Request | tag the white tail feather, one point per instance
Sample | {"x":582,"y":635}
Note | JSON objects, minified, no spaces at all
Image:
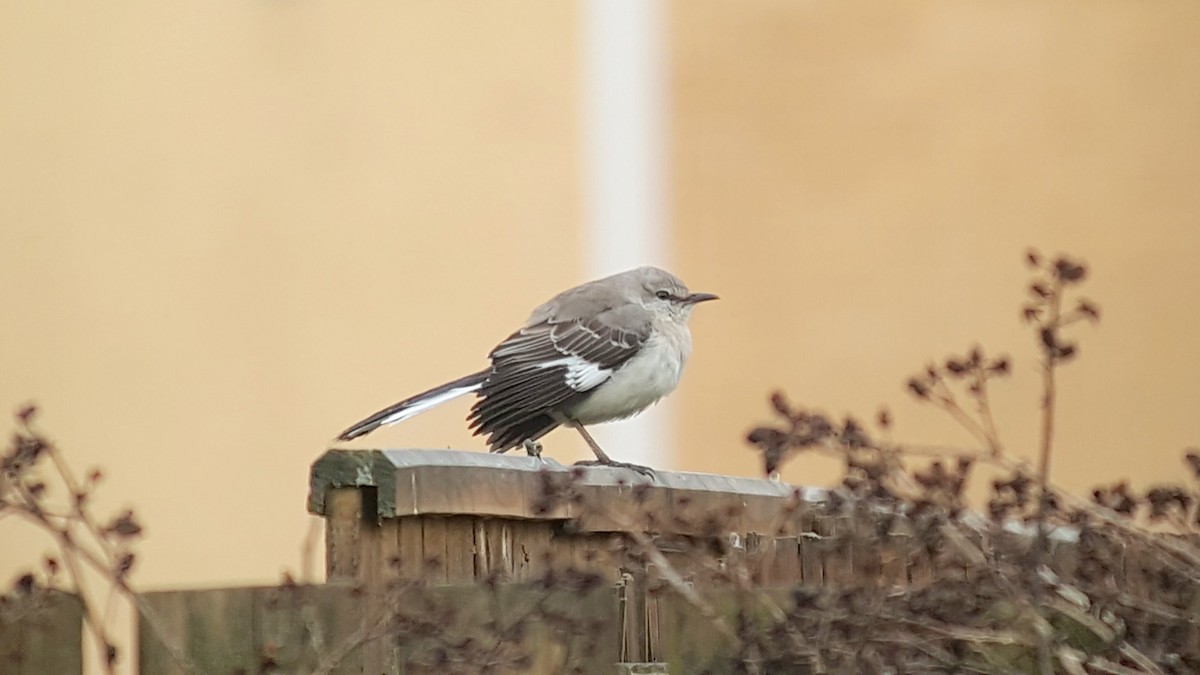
{"x":415,"y":405}
{"x":424,"y":404}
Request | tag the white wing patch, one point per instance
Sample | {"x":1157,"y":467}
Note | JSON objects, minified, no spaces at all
{"x":582,"y":375}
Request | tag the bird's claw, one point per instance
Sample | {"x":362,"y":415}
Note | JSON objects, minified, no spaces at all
{"x":644,"y":470}
{"x":533,"y":448}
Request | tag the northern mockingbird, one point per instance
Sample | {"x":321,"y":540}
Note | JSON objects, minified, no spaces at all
{"x":602,"y":351}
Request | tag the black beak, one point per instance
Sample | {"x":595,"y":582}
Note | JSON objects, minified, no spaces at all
{"x":696,"y":298}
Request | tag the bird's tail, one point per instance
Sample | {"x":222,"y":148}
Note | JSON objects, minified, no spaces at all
{"x":415,"y":405}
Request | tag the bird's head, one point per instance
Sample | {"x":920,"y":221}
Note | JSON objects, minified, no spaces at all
{"x":661,"y":289}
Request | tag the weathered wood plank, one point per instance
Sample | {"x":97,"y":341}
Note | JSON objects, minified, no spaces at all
{"x":372,"y":567}
{"x":755,"y":559}
{"x":343,"y":518}
{"x":499,"y":548}
{"x":610,"y":501}
{"x":694,"y":644}
{"x":219,"y":628}
{"x":290,"y":629}
{"x":785,"y":561}
{"x":482,"y":551}
{"x":838,"y":551}
{"x":41,"y":633}
{"x":656,"y":649}
{"x":812,"y":562}
{"x":530,"y":549}
{"x":171,"y":613}
{"x":410,"y":540}
{"x":433,"y":539}
{"x":563,"y":549}
{"x":389,"y":549}
{"x":632,"y":597}
{"x":449,"y":482}
{"x":460,"y":549}
{"x":295,"y":629}
{"x":374,"y":575}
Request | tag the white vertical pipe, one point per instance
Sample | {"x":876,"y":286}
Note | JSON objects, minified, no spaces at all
{"x":625,"y":112}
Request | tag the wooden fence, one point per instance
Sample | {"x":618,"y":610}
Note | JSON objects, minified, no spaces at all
{"x":448,"y":517}
{"x":329,"y":628}
{"x":512,"y":561}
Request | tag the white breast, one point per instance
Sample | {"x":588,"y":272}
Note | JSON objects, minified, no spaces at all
{"x":644,"y":379}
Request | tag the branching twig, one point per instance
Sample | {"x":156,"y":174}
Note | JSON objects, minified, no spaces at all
{"x":1000,"y":572}
{"x":96,"y":550}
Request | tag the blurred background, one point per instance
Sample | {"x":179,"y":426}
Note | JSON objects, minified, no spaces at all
{"x":229,"y":230}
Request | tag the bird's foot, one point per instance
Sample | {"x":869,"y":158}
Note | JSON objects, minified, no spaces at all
{"x":644,"y":470}
{"x":533,"y":448}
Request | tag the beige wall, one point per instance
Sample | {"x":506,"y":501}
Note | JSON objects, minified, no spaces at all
{"x":860,"y":182}
{"x":229,"y":230}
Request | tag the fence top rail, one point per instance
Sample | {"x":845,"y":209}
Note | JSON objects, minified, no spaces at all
{"x":414,"y":482}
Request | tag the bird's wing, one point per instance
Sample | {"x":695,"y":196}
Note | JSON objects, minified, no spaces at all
{"x":546,"y":364}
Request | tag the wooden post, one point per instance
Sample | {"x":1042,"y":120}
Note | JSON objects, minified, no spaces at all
{"x":445,"y":517}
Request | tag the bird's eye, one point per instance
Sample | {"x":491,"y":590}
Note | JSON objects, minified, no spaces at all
{"x":663,"y":295}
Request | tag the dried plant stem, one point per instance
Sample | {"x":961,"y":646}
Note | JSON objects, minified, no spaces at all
{"x":1185,"y":559}
{"x":308,"y":550}
{"x":1049,"y":400}
{"x":1049,"y":388}
{"x":1048,"y":396}
{"x":1133,"y":654}
{"x":73,"y":553}
{"x":946,"y":401}
{"x":104,"y":563}
{"x":985,"y":413}
{"x":368,"y":632}
{"x":685,"y":590}
{"x":68,"y":547}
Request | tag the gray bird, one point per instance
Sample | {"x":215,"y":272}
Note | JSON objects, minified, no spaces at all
{"x":602,"y":351}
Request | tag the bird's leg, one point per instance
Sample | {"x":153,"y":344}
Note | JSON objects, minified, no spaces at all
{"x":603,"y":459}
{"x":600,"y":456}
